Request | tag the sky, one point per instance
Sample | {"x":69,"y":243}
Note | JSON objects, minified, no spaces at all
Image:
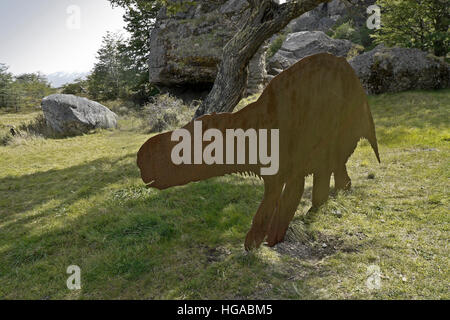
{"x":54,"y":35}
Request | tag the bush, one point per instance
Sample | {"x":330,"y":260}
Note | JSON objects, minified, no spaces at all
{"x":167,"y":113}
{"x":276,"y":45}
{"x":35,"y":129}
{"x":77,"y":88}
{"x":360,"y":36}
{"x":346,"y":31}
{"x":366,"y":38}
{"x":122,"y":107}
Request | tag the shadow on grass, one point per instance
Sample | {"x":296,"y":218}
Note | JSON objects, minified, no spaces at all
{"x":128,"y":233}
{"x":131,"y":237}
{"x":24,"y":193}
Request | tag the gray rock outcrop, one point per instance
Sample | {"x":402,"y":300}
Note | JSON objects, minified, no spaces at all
{"x":399,"y":69}
{"x":327,"y":15}
{"x":186,"y":48}
{"x":305,"y":43}
{"x":71,"y":115}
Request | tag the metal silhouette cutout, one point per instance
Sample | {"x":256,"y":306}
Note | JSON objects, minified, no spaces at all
{"x":321,"y":111}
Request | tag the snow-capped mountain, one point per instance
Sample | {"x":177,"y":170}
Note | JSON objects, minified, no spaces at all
{"x":58,"y":79}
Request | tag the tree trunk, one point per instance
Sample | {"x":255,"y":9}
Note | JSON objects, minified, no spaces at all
{"x":266,"y":19}
{"x":440,"y":45}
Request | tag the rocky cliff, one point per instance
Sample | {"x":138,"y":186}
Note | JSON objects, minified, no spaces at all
{"x":327,"y":15}
{"x":186,"y":47}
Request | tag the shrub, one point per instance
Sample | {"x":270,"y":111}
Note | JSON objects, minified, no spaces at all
{"x":35,"y":129}
{"x":360,"y":36}
{"x":122,"y":107}
{"x":77,"y":88}
{"x":354,"y":51}
{"x":366,"y":39}
{"x":246,"y":101}
{"x":276,"y":45}
{"x":346,"y":31}
{"x":166,"y":112}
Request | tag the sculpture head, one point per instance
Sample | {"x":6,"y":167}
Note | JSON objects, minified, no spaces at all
{"x":157,"y":169}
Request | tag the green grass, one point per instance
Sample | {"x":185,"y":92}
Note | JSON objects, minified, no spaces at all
{"x":80,"y":201}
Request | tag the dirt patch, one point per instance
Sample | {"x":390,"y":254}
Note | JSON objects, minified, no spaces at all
{"x":422,"y":150}
{"x":311,"y":250}
{"x":216,"y":254}
{"x":303,"y":245}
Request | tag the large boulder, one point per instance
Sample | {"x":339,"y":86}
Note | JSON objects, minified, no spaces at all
{"x":399,"y":69}
{"x":71,"y":115}
{"x":186,"y":47}
{"x":305,"y":43}
{"x":314,"y":20}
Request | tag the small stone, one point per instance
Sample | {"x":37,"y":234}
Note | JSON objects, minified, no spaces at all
{"x":338,"y":213}
{"x":324,"y":245}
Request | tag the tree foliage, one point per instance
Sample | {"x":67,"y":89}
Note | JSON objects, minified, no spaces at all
{"x":79,"y":88}
{"x":140,"y":17}
{"x":422,"y":24}
{"x":107,"y":80}
{"x":23,"y":91}
{"x":6,"y":81}
{"x":32,"y":87}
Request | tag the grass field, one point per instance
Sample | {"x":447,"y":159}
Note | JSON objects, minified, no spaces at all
{"x":80,"y":201}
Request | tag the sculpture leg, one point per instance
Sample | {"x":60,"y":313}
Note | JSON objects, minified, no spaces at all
{"x":288,"y":203}
{"x":341,"y":179}
{"x":263,"y":217}
{"x":321,"y":188}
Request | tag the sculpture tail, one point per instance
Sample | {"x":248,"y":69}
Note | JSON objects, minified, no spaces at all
{"x":371,"y":134}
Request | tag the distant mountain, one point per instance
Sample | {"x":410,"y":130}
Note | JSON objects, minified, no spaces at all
{"x":58,"y":79}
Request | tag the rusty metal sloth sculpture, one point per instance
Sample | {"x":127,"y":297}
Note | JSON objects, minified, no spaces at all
{"x":321,"y":111}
